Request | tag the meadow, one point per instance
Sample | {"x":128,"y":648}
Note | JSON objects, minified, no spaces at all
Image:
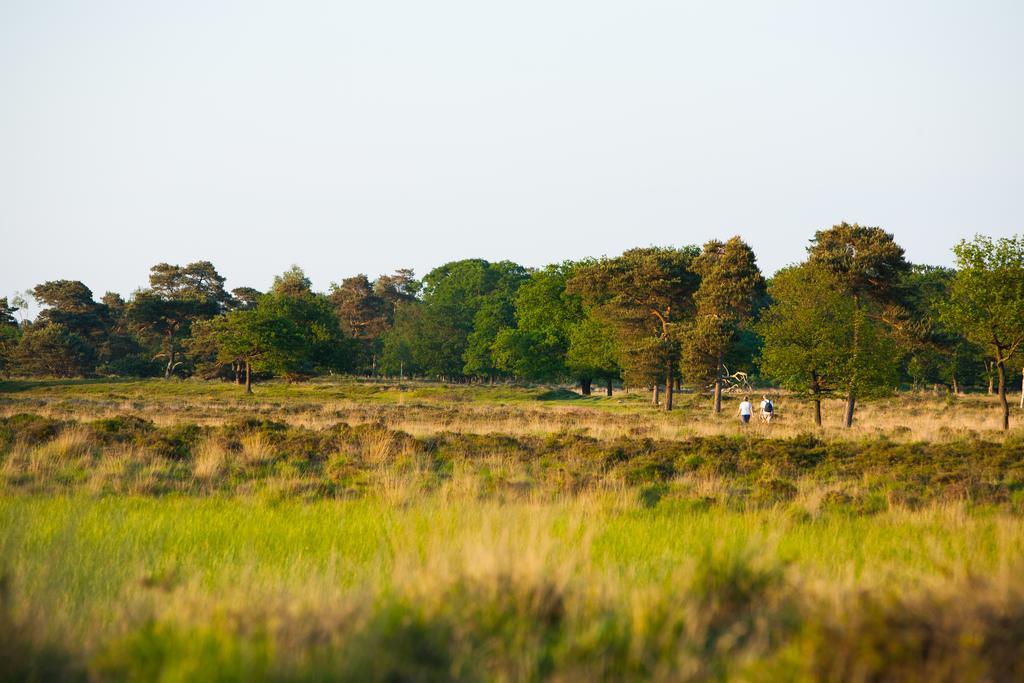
{"x":356,"y":530}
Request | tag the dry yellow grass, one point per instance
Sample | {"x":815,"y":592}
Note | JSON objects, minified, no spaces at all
{"x":256,"y":449}
{"x":68,"y":446}
{"x":324,"y":536}
{"x":211,"y":460}
{"x":907,"y":417}
{"x":378,"y":447}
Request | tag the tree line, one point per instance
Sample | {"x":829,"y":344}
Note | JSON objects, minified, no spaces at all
{"x":853,"y":319}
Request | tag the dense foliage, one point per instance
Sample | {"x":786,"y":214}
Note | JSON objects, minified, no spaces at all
{"x":854,"y":319}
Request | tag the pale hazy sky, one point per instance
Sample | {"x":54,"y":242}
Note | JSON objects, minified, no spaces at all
{"x":364,"y":136}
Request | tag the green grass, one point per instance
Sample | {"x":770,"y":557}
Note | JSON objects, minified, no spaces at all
{"x":321,"y":389}
{"x":98,"y":546}
{"x":352,"y":531}
{"x":94,"y":574}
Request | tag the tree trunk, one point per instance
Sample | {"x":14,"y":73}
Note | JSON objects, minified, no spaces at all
{"x":170,"y":363}
{"x":585,"y":386}
{"x":988,"y":371}
{"x":656,"y":394}
{"x":718,"y":386}
{"x":1001,"y":369}
{"x":851,"y":402}
{"x":816,"y":389}
{"x":248,"y":377}
{"x":851,"y":396}
{"x":956,"y":387}
{"x":1022,"y":388}
{"x":668,"y":388}
{"x":610,"y":388}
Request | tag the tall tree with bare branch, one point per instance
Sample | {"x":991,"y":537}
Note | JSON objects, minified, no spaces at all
{"x":730,"y":284}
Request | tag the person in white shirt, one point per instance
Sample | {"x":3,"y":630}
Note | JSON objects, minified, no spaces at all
{"x":767,"y":409}
{"x":746,"y":409}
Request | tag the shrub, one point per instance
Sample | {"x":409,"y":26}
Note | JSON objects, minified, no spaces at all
{"x":774,"y":490}
{"x":31,"y":430}
{"x":651,"y":495}
{"x":924,"y":637}
{"x":176,"y":442}
{"x":123,"y":429}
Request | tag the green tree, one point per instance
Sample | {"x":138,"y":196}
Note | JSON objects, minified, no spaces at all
{"x":70,"y":303}
{"x":450,"y":333}
{"x":244,"y":297}
{"x":730,"y":286}
{"x":592,"y":354}
{"x":366,"y":310}
{"x":402,"y":345}
{"x":121,"y":352}
{"x":494,"y":312}
{"x":364,"y":315}
{"x":177,"y":297}
{"x":808,"y":331}
{"x":9,"y":335}
{"x":399,"y":287}
{"x":288,"y":333}
{"x":52,"y":350}
{"x":935,"y":353}
{"x":536,"y":346}
{"x":644,"y":295}
{"x":554,"y":337}
{"x":292,"y":282}
{"x":495,"y":315}
{"x":868,"y":266}
{"x":986,"y":301}
{"x":7,"y":312}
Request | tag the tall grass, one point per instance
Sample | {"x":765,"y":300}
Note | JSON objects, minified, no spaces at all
{"x":506,"y":591}
{"x":366,"y":531}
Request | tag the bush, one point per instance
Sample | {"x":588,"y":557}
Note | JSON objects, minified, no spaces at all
{"x":123,"y":429}
{"x":31,"y":430}
{"x":919,"y":638}
{"x":133,"y":365}
{"x":177,"y":442}
{"x":774,"y":491}
{"x":757,"y":471}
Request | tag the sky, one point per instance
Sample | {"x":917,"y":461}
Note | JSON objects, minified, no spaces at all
{"x":359,"y":137}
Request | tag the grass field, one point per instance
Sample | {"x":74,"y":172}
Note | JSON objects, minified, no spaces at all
{"x":366,"y":531}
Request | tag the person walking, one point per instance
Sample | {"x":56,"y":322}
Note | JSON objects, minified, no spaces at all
{"x":767,"y":410}
{"x":746,"y":409}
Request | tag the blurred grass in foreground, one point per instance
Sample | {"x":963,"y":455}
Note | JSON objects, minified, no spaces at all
{"x":367,"y":531}
{"x":593,"y":587}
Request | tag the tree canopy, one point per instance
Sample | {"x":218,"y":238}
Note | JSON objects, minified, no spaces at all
{"x":868,"y":267}
{"x":855,"y":319}
{"x":808,"y":333}
{"x":986,"y":301}
{"x":289,"y":332}
{"x":731,"y":286}
{"x":644,"y":295}
{"x":177,"y":296}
